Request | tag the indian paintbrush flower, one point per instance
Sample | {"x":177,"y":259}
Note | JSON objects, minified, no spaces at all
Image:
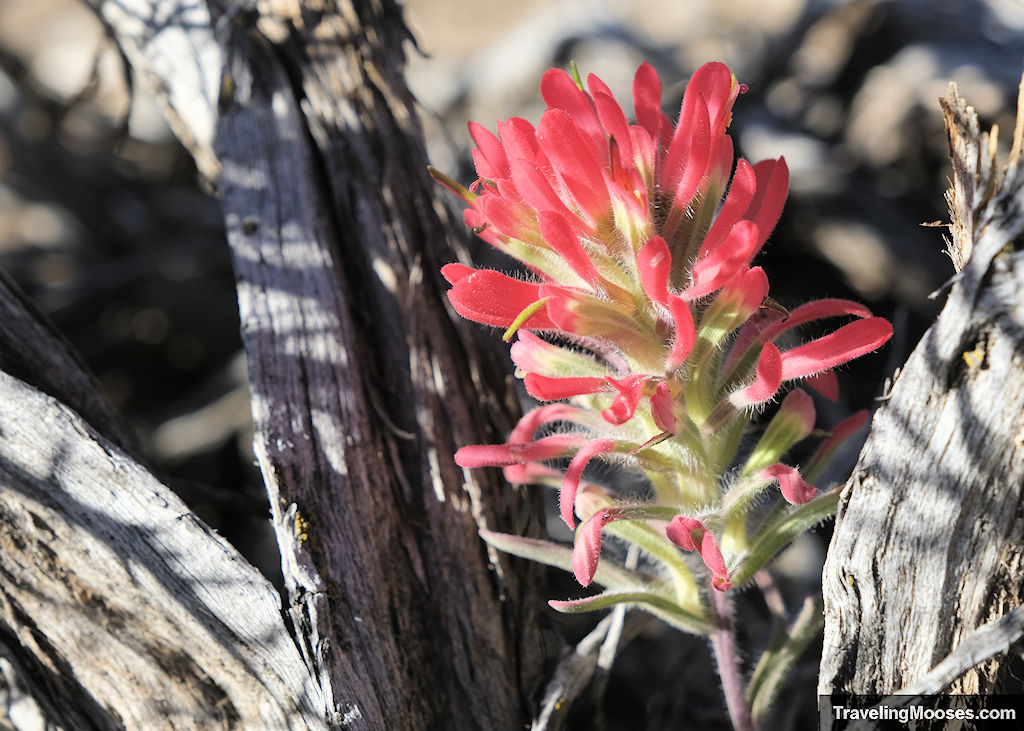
{"x":641,"y":306}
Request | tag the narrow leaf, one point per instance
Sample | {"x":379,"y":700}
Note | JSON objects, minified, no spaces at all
{"x":553,"y":554}
{"x":778,"y":660}
{"x":657,"y":604}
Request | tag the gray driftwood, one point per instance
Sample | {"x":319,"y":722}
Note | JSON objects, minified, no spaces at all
{"x":118,"y":607}
{"x":929,"y":537}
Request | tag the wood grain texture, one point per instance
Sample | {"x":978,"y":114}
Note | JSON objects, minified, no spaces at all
{"x":120,"y":607}
{"x":363,"y":385}
{"x":930,"y":531}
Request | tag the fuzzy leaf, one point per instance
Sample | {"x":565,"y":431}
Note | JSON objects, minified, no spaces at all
{"x":657,"y":604}
{"x":553,"y":554}
{"x":779,"y":529}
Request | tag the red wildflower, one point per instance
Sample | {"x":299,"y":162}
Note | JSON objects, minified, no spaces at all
{"x":641,"y":303}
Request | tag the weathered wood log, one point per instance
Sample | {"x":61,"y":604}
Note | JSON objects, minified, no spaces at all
{"x":929,"y":535}
{"x":120,"y":608}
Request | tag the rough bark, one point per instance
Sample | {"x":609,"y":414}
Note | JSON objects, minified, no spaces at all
{"x":117,"y":605}
{"x":929,"y":535}
{"x":363,"y":385}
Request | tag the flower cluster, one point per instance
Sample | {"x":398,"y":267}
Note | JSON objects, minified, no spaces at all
{"x":648,"y":333}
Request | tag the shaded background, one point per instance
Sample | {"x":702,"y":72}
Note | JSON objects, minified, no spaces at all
{"x":103,"y":224}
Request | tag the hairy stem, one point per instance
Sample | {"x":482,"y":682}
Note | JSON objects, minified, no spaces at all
{"x":723,"y":642}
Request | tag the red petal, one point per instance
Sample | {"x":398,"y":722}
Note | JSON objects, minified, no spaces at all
{"x":571,"y":483}
{"x":767,"y":382}
{"x":848,"y":342}
{"x":560,"y":92}
{"x":682,"y":320}
{"x":713,"y":271}
{"x":791,"y":484}
{"x":713,"y":82}
{"x":528,"y":474}
{"x":839,"y":434}
{"x":491,"y":161}
{"x":612,"y":119}
{"x":493,"y":298}
{"x":624,"y":406}
{"x":655,"y":263}
{"x":586,"y":553}
{"x":454,"y":272}
{"x":545,"y":388}
{"x":772,"y":188}
{"x":691,"y":535}
{"x":662,"y":409}
{"x":576,"y":161}
{"x":647,"y":101}
{"x":741,"y":192}
{"x":687,"y":157}
{"x":561,"y":237}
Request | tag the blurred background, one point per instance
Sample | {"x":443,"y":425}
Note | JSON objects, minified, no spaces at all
{"x":103,"y":223}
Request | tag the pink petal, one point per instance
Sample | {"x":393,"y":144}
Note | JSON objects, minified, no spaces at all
{"x":817,"y":310}
{"x":503,"y":455}
{"x":654,"y":262}
{"x":838,"y":434}
{"x":766,"y":383}
{"x":791,"y":484}
{"x":586,"y":553}
{"x":538,"y":417}
{"x":493,"y":298}
{"x":682,"y":320}
{"x":528,"y":474}
{"x":545,"y":388}
{"x":848,"y":342}
{"x":630,"y":389}
{"x":571,"y":483}
{"x":662,"y":409}
{"x":561,"y":237}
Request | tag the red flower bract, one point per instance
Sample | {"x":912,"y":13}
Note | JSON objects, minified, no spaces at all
{"x":639,"y":300}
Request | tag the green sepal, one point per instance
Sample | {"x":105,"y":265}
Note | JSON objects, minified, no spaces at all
{"x":455,"y":187}
{"x":777,"y":661}
{"x":780,"y":528}
{"x":657,"y":604}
